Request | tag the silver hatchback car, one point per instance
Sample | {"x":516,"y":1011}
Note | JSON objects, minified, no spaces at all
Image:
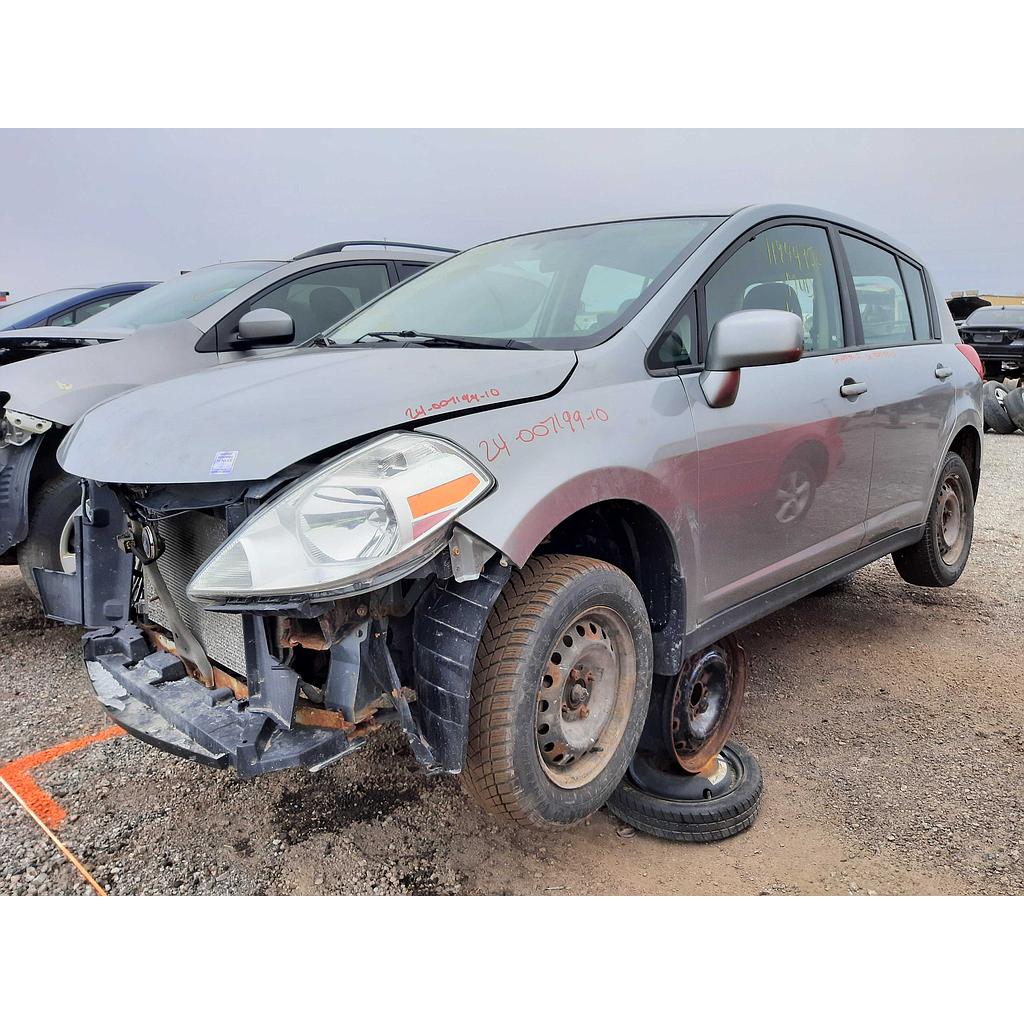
{"x":510,"y":499}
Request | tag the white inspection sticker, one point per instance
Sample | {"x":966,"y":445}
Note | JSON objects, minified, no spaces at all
{"x":223,"y":463}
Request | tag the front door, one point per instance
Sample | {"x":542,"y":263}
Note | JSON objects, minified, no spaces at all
{"x":783,"y":473}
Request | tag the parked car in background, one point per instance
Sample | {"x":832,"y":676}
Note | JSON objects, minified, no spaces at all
{"x":66,"y":306}
{"x":996,"y":333}
{"x":510,"y":499}
{"x":962,"y":306}
{"x":221,"y":313}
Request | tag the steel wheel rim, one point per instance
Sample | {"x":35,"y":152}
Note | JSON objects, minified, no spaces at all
{"x":793,"y":495}
{"x":705,"y":703}
{"x":67,"y":546}
{"x":952,"y":520}
{"x":585,"y":697}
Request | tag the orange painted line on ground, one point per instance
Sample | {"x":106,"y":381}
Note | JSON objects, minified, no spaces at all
{"x":69,"y":856}
{"x":36,"y":800}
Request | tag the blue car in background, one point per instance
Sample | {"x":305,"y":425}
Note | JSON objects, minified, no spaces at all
{"x":66,"y":306}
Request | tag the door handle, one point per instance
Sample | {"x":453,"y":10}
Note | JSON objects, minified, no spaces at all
{"x":942,"y":372}
{"x":851,"y":388}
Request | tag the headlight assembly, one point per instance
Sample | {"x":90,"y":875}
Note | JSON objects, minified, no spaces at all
{"x":363,"y":520}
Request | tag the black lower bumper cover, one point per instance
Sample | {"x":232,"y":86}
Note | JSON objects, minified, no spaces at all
{"x":149,"y":694}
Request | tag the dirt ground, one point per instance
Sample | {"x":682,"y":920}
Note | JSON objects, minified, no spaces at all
{"x":888,"y":721}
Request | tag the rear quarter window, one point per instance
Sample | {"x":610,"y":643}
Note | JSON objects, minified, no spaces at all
{"x":917,"y":297}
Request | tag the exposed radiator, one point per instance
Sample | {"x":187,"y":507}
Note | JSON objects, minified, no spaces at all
{"x":189,"y":539}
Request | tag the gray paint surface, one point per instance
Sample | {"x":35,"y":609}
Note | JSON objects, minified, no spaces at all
{"x":275,"y":411}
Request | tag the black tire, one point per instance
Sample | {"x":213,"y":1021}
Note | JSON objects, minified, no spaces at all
{"x":506,"y":771}
{"x":666,"y":802}
{"x":994,"y":395}
{"x":52,"y":505}
{"x":931,"y":562}
{"x":1013,"y":403}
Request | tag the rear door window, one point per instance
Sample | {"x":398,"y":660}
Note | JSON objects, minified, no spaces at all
{"x":881,"y":298}
{"x":913,"y":281}
{"x":789,"y":268}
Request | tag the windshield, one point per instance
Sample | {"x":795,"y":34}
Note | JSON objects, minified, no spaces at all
{"x":181,"y":296}
{"x":568,"y":288}
{"x":15,"y":312}
{"x":989,"y":316}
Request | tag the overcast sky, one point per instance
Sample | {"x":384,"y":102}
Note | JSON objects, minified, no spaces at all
{"x":90,"y":206}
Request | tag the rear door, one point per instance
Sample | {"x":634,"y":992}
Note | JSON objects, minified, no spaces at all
{"x":906,"y":369}
{"x":783,"y":472}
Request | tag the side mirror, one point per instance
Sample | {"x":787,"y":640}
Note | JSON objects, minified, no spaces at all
{"x":751,"y":337}
{"x":265,"y":327}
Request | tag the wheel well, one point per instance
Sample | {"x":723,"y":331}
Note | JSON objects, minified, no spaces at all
{"x":46,"y":466}
{"x":967,"y":444}
{"x":636,"y":540}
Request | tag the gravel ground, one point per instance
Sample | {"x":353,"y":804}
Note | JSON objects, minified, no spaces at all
{"x":888,"y":721}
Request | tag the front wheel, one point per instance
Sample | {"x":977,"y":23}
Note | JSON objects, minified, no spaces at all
{"x":939,"y":557}
{"x":560,"y":692}
{"x":52,"y":541}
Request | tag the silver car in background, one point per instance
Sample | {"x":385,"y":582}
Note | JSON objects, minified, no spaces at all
{"x":508,"y":500}
{"x":218,"y":314}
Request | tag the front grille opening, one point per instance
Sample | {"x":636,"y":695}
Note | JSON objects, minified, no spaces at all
{"x":189,"y":539}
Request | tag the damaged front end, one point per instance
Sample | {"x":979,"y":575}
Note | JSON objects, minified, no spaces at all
{"x":263,"y":682}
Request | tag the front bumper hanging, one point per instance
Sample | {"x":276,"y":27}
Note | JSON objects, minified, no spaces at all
{"x":158,"y":682}
{"x":150,"y":695}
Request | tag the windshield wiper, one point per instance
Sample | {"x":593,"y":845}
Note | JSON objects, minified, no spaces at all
{"x":452,"y":340}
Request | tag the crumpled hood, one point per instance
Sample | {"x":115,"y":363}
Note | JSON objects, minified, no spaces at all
{"x":249,"y":420}
{"x":65,"y":384}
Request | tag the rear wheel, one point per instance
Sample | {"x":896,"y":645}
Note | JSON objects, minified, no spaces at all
{"x":1013,"y":403}
{"x":52,"y":541}
{"x":560,"y":691}
{"x":939,"y":557}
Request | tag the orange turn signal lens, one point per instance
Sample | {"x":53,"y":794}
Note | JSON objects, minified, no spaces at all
{"x":443,"y":496}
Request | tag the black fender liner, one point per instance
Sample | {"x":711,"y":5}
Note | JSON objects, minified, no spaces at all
{"x":16,"y":464}
{"x":449,"y":623}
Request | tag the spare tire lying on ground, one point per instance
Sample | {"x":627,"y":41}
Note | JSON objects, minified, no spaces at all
{"x":996,"y":416}
{"x":658,"y":797}
{"x":1013,"y":403}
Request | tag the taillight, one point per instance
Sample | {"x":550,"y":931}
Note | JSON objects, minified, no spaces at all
{"x":973,"y":358}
